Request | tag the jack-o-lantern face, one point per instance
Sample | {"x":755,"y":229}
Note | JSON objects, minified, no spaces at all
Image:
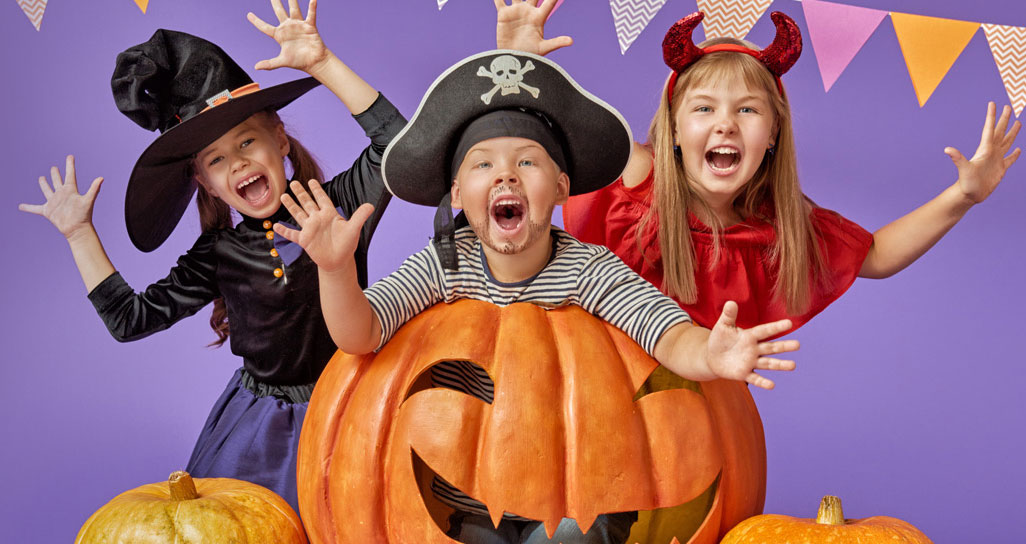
{"x":563,"y":436}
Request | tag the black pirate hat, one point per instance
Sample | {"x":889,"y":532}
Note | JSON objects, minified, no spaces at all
{"x":595,"y":138}
{"x":192,"y":92}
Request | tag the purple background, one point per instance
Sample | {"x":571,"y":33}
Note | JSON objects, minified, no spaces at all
{"x":907,"y":398}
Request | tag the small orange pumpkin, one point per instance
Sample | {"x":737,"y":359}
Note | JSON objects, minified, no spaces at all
{"x":187,"y":510}
{"x":829,"y":526}
{"x":567,"y":434}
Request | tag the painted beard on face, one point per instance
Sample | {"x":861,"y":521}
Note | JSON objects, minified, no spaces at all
{"x":508,"y":227}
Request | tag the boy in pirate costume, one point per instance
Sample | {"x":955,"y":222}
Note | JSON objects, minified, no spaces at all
{"x":505,"y":136}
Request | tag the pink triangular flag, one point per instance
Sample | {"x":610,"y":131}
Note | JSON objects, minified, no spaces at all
{"x":731,"y":18}
{"x":630,"y":17}
{"x":837,"y":33}
{"x":34,"y":10}
{"x":1008,"y":43}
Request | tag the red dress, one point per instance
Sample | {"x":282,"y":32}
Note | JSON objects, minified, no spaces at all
{"x":742,"y":272}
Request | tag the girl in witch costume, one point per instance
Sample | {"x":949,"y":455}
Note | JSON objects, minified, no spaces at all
{"x":221,"y":137}
{"x":711,"y":209}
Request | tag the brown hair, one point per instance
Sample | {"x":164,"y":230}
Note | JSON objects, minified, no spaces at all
{"x":796,"y":252}
{"x":215,"y":214}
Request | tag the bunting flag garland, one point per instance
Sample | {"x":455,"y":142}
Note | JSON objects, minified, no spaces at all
{"x":837,"y":33}
{"x":930,"y":46}
{"x":731,"y":18}
{"x":631,"y":17}
{"x":34,"y":10}
{"x":1008,"y":44}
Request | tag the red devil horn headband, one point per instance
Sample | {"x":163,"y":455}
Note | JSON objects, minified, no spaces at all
{"x":680,"y":51}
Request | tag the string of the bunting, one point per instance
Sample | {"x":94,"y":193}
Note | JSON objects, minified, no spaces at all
{"x":34,"y":9}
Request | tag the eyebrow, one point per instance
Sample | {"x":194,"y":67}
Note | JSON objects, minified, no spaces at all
{"x":243,"y":132}
{"x":484,"y":149}
{"x":745,"y":98}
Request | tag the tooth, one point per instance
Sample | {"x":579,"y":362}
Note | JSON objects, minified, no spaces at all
{"x":550,"y":526}
{"x":496,"y":516}
{"x":584,"y":523}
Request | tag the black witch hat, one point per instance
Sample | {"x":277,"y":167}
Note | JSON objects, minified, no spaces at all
{"x":192,"y":92}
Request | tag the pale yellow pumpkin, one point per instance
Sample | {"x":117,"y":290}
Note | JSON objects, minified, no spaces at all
{"x":221,"y":510}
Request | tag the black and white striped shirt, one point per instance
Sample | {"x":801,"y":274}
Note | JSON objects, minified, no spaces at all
{"x":587,"y":275}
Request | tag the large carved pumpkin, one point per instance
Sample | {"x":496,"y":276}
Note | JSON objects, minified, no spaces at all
{"x":570,"y":432}
{"x":187,"y":510}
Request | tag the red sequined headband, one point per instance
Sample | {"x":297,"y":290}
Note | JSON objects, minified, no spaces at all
{"x":680,"y":51}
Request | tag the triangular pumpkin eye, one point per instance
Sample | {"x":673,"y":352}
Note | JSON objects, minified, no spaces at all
{"x":661,"y":379}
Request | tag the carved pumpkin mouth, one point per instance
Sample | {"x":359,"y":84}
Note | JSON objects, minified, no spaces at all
{"x":689,"y":516}
{"x":473,"y":384}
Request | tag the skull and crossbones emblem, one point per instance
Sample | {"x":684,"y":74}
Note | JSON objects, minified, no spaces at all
{"x":508,"y":76}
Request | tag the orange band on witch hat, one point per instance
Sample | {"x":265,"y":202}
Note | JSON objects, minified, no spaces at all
{"x":226,"y":95}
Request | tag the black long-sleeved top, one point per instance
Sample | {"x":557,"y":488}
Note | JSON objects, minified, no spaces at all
{"x":276,"y":322}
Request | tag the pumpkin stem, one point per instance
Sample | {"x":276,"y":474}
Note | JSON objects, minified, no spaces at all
{"x":182,"y":487}
{"x":830,"y":511}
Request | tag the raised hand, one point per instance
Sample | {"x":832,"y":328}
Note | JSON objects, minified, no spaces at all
{"x":326,"y":237}
{"x":301,"y":44}
{"x":68,"y":210}
{"x":520,"y":25}
{"x":735,"y":353}
{"x":980,"y":175}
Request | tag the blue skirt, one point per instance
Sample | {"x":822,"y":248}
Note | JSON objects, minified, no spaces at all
{"x":252,"y":434}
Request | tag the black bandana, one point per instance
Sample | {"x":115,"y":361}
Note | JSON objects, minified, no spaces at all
{"x":509,"y":123}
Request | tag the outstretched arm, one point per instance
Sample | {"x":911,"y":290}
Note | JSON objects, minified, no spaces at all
{"x":520,"y":25}
{"x":303,"y":49}
{"x":726,"y":351}
{"x":899,"y":243}
{"x":72,"y":214}
{"x":330,"y":241}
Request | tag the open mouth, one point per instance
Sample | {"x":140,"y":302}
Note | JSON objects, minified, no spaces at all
{"x":508,"y":213}
{"x":722,"y":160}
{"x":253,"y":189}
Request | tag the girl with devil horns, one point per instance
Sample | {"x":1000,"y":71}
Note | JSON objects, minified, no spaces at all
{"x":221,"y":137}
{"x":715,"y":191}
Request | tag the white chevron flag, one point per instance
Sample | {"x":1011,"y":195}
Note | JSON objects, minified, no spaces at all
{"x":34,"y":10}
{"x":631,"y":17}
{"x":731,"y":18}
{"x":1008,"y":43}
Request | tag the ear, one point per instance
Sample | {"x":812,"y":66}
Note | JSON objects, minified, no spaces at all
{"x":283,"y":140}
{"x":562,"y":188}
{"x":454,"y":193}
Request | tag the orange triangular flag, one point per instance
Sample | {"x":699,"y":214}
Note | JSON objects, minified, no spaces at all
{"x":143,"y":4}
{"x":1008,"y":43}
{"x":930,"y":46}
{"x":733,"y":18}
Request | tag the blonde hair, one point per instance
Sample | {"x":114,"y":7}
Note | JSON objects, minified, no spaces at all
{"x":214,"y":214}
{"x":796,"y":253}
